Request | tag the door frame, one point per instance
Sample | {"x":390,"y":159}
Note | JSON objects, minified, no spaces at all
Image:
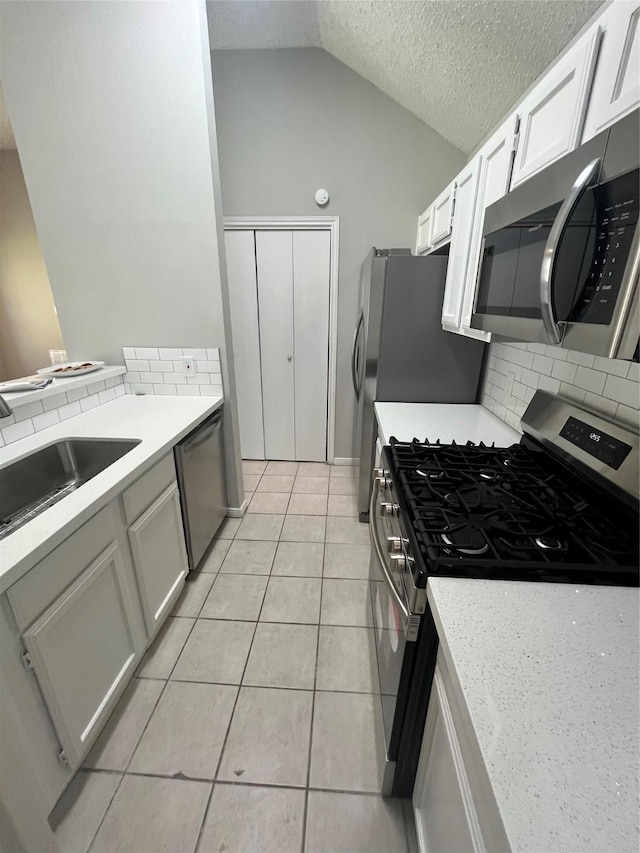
{"x":309,"y":223}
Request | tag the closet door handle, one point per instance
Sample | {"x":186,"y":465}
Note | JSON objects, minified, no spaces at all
{"x":289,"y":357}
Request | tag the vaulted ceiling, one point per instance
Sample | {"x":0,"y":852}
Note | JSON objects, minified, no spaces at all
{"x":459,"y":65}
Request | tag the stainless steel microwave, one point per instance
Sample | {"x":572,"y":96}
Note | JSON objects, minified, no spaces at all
{"x":561,"y":254}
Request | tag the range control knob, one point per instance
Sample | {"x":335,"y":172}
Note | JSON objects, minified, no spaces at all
{"x":387,"y":509}
{"x":381,"y":477}
{"x":395,"y":544}
{"x":400,"y":563}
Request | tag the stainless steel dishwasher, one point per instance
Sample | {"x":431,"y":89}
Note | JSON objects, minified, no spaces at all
{"x":201,"y":478}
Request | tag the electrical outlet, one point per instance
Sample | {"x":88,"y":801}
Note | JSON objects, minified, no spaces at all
{"x":188,"y":365}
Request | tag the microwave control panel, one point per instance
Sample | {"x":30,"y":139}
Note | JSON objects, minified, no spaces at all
{"x":612,"y":232}
{"x":595,"y":442}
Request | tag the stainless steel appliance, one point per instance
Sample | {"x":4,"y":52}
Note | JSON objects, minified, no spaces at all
{"x":201,"y":480}
{"x":400,"y":351}
{"x":560,"y":507}
{"x":561,"y":254}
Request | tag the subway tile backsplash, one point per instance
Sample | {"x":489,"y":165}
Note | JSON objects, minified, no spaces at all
{"x":160,"y":370}
{"x":36,"y":416}
{"x":515,"y":371}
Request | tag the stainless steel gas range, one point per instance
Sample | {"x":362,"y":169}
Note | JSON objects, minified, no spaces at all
{"x":559,"y":507}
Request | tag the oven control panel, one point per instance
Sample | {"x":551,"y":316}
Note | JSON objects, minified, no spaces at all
{"x":595,"y":442}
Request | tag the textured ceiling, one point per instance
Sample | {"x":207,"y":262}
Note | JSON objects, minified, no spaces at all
{"x":6,"y":133}
{"x":459,"y":65}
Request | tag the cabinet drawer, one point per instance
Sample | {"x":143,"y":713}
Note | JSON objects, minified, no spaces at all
{"x":33,"y":593}
{"x":146,"y":489}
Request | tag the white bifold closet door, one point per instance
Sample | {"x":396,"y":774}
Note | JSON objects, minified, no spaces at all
{"x":243,"y":300}
{"x":283,"y":307}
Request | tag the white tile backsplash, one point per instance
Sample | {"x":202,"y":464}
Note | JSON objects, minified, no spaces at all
{"x":606,"y":385}
{"x":160,"y":370}
{"x":36,"y":416}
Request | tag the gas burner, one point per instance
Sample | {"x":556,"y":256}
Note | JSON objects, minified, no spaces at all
{"x":488,"y":474}
{"x":466,"y":540}
{"x":431,"y":473}
{"x":548,"y":543}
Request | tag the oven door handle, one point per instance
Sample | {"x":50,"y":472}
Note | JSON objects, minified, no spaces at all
{"x":549,"y":320}
{"x":373,"y":533}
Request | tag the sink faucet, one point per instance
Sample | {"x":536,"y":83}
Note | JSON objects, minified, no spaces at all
{"x":5,"y":408}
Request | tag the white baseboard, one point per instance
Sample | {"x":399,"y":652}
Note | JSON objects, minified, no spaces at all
{"x":238,"y":512}
{"x":344,"y":460}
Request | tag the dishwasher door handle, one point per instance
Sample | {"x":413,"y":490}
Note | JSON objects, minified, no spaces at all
{"x":200,"y":437}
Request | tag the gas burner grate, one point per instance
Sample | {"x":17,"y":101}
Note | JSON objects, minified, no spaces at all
{"x":483,"y":510}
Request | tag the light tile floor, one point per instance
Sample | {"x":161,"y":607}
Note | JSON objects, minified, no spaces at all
{"x":253,"y":725}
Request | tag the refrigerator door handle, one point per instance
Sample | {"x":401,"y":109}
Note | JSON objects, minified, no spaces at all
{"x":355,"y":366}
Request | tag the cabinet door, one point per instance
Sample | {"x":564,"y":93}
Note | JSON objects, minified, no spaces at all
{"x":159,"y":556}
{"x":442,"y":215}
{"x":496,"y":161}
{"x":243,"y":305}
{"x":83,"y":652}
{"x":423,"y":239}
{"x":616,"y":87}
{"x":552,"y":115}
{"x":445,"y":816}
{"x":466,"y":189}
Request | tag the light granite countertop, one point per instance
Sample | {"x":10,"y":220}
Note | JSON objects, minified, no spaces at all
{"x":158,"y":421}
{"x":549,"y":674}
{"x":445,"y":421}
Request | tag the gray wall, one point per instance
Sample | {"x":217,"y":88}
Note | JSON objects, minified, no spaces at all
{"x":29,"y":325}
{"x":112,"y":109}
{"x":294,"y":120}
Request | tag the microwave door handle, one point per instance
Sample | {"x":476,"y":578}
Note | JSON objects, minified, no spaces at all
{"x":549,"y":320}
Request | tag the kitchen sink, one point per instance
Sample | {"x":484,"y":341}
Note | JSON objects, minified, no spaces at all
{"x":33,"y":484}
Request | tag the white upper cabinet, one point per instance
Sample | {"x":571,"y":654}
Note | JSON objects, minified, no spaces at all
{"x":496,"y":162}
{"x":466,"y":189}
{"x":423,"y":239}
{"x":442,"y":217}
{"x":552,"y":115}
{"x":616,"y":86}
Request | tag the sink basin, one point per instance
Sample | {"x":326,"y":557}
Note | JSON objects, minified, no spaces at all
{"x":33,"y":484}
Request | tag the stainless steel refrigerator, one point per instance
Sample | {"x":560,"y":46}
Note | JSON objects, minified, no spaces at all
{"x":400,"y":351}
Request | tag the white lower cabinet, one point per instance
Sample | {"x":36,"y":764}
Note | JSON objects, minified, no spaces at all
{"x":75,"y":626}
{"x":159,"y":556}
{"x":83,"y":652}
{"x":452,"y":803}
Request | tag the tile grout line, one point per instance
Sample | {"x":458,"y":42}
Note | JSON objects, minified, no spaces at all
{"x":106,"y":811}
{"x":244,"y":669}
{"x":238,"y":783}
{"x":313,"y":700}
{"x":214,"y":781}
